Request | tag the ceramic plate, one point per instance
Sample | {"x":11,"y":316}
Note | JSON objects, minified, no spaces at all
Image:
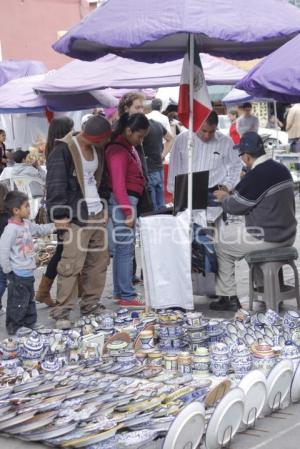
{"x":92,"y":439}
{"x":50,"y":432}
{"x":187,"y":429}
{"x":38,"y":421}
{"x":5,"y":392}
{"x":279,"y":384}
{"x":225,"y":420}
{"x":19,"y":419}
{"x":27,"y":385}
{"x":254,"y":385}
{"x":295,"y":388}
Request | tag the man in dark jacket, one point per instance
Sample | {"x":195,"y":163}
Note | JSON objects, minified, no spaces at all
{"x":74,"y":171}
{"x":265,"y":196}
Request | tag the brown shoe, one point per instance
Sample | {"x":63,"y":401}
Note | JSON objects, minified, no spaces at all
{"x":43,"y":293}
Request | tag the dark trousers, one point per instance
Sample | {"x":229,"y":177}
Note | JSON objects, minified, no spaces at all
{"x":51,"y":271}
{"x":3,"y":284}
{"x":21,"y":309}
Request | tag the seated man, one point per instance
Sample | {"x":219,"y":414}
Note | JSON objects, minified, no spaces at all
{"x":22,"y":169}
{"x":265,"y":196}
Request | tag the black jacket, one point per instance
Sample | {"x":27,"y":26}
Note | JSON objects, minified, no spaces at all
{"x":65,"y":184}
{"x":4,"y":217}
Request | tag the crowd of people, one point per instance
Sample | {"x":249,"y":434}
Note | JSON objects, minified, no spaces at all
{"x":98,"y":180}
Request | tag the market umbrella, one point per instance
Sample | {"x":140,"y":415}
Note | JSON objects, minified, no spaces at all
{"x":18,"y":96}
{"x":277,"y":76}
{"x":11,"y":69}
{"x":237,"y":96}
{"x":116,"y":72}
{"x":158,"y":30}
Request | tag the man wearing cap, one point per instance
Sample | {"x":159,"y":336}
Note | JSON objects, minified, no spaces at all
{"x":265,"y":196}
{"x":23,"y":169}
{"x":74,"y":172}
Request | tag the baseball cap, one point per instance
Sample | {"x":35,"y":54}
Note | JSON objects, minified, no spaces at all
{"x":251,"y":143}
{"x":96,"y":129}
{"x":19,"y":155}
{"x":84,"y":119}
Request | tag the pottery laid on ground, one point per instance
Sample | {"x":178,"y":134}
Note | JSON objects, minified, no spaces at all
{"x":219,"y":359}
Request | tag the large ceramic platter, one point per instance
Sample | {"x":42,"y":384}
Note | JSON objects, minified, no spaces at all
{"x":18,"y":419}
{"x":226,"y":419}
{"x":254,"y":385}
{"x":27,"y":386}
{"x":92,"y":439}
{"x":278,"y":384}
{"x":38,"y":421}
{"x":295,"y":389}
{"x":187,"y":429}
{"x":49,"y":432}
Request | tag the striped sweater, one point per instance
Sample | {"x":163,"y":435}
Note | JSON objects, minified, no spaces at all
{"x":266,"y":197}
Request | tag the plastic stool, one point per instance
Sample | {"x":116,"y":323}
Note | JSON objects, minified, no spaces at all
{"x":270,"y":264}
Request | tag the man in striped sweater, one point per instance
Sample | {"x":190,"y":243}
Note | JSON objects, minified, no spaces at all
{"x":265,"y":196}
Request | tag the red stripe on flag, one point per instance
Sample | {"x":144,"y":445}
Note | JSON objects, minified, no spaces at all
{"x":201,"y":113}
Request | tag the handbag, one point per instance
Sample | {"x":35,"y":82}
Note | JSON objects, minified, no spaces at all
{"x":145,"y":204}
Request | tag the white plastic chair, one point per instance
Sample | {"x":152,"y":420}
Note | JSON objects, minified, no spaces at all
{"x":22,"y":183}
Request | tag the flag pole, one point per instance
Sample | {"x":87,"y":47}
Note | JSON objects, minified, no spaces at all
{"x":191,"y":115}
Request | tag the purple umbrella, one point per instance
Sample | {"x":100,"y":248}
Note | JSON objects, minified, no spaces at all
{"x":18,"y":96}
{"x":158,"y":30}
{"x":113,"y":71}
{"x":277,"y":76}
{"x":12,"y":69}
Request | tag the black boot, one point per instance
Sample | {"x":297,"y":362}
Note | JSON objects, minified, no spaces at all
{"x":229,"y":303}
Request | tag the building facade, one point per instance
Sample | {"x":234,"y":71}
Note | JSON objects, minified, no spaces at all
{"x":30,"y":27}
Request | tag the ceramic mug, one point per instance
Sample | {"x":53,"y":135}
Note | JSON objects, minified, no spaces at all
{"x":194,"y":319}
{"x":291,"y":319}
{"x":147,"y":340}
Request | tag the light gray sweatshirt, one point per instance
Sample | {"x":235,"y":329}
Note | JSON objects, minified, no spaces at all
{"x":16,"y":244}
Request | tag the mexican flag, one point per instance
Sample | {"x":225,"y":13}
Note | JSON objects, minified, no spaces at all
{"x":202,"y":104}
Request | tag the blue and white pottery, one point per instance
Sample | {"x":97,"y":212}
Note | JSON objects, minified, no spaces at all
{"x":194,"y":319}
{"x":272,"y":317}
{"x":241,"y":361}
{"x":219,"y":368}
{"x":263,"y":363}
{"x":213,"y":326}
{"x":289,"y":350}
{"x":291,"y":319}
{"x":50,"y":365}
{"x":165,"y":343}
{"x":107,"y":322}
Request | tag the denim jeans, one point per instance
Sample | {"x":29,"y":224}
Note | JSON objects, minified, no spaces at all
{"x":3,"y":283}
{"x":21,"y":309}
{"x":156,"y":184}
{"x":124,"y":243}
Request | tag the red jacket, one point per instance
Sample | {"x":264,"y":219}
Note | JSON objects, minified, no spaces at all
{"x":125,"y":172}
{"x":234,"y":134}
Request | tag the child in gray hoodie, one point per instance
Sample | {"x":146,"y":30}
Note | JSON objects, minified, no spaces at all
{"x":17,"y":260}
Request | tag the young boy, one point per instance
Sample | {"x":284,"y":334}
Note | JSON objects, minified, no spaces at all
{"x":17,"y":260}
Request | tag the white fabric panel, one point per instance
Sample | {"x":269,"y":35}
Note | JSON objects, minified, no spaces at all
{"x":167,"y":260}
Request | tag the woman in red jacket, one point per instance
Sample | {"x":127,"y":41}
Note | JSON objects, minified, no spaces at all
{"x":233,"y":116}
{"x":127,"y":185}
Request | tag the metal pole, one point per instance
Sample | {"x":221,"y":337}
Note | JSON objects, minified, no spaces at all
{"x":13,"y":131}
{"x":276,"y":124}
{"x":191,"y":136}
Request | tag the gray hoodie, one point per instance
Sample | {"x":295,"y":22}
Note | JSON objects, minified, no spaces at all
{"x":16,"y":244}
{"x":23,"y":169}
